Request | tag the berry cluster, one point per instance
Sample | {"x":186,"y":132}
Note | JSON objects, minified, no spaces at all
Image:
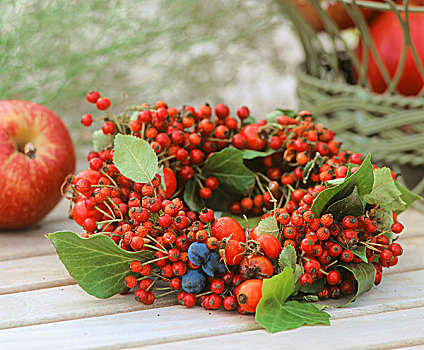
{"x":306,"y":154}
{"x":182,"y":139}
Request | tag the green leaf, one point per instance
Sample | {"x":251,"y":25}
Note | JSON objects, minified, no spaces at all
{"x":288,"y":257}
{"x":314,"y":288}
{"x":385,"y":193}
{"x":275,"y":317}
{"x":364,"y":274}
{"x":360,"y":252}
{"x":351,"y":205}
{"x":279,"y":286}
{"x":134,"y":115}
{"x":407,"y":196}
{"x":249,"y":120}
{"x":251,"y":154}
{"x":363,"y":179}
{"x":100,"y":140}
{"x":269,"y":226}
{"x":272,"y":117}
{"x":219,"y":200}
{"x":252,"y":221}
{"x":97,"y":264}
{"x":135,"y":158}
{"x":384,"y":222}
{"x":227,"y":166}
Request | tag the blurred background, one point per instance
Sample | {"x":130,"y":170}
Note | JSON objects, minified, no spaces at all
{"x":182,"y":51}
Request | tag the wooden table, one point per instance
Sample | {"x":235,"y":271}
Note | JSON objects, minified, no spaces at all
{"x":41,"y":307}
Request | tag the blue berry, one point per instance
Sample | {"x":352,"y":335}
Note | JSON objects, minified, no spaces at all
{"x":213,"y":267}
{"x":198,"y":253}
{"x":193,"y":281}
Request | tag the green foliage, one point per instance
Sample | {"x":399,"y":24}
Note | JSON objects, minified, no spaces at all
{"x":251,"y":222}
{"x":351,"y":205}
{"x":362,"y":179}
{"x":269,"y":226}
{"x":364,"y":274}
{"x":135,"y":158}
{"x":97,"y":264}
{"x":228,"y":167}
{"x":275,"y":314}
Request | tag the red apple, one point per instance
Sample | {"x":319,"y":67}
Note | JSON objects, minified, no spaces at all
{"x":36,"y":154}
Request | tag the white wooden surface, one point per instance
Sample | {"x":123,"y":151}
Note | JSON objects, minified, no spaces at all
{"x":41,"y":307}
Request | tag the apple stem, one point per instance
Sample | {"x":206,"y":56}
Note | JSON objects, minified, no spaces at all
{"x":29,"y":150}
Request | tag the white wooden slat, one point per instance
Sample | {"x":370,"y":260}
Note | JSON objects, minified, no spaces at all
{"x":412,"y":219}
{"x":406,"y":290}
{"x":31,"y":241}
{"x":41,"y":306}
{"x":32,"y":273}
{"x":173,"y":324}
{"x":378,"y":331}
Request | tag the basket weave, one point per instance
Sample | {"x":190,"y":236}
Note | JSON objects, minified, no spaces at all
{"x":389,"y":125}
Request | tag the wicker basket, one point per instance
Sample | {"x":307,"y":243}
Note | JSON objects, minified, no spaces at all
{"x":389,"y":125}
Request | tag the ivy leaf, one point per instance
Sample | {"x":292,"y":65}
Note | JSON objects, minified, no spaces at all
{"x":269,"y":226}
{"x":135,"y":158}
{"x":385,"y":192}
{"x":315,"y":287}
{"x":287,"y":258}
{"x":97,"y":264}
{"x":275,"y":317}
{"x":360,"y":252}
{"x":272,"y":117}
{"x":227,"y":166}
{"x":192,"y":197}
{"x":251,"y":154}
{"x":351,"y":205}
{"x":279,"y":286}
{"x":252,"y":221}
{"x":407,"y":196}
{"x":363,"y":179}
{"x":249,"y":120}
{"x":134,"y":115}
{"x":364,"y":274}
{"x":218,"y":201}
{"x":100,"y":140}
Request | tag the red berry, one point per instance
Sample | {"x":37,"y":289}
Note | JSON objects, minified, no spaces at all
{"x":333,"y":277}
{"x":207,"y":215}
{"x":397,"y":227}
{"x":103,"y":103}
{"x":243,"y":113}
{"x":396,"y":249}
{"x":109,"y":128}
{"x":306,"y":280}
{"x":230,"y":303}
{"x":205,"y":192}
{"x":92,"y":96}
{"x":87,"y":120}
{"x":222,"y":111}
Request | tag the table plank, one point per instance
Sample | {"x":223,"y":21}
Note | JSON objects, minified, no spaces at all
{"x":31,"y":241}
{"x":19,"y":309}
{"x":378,"y":331}
{"x":172,"y":324}
{"x":32,"y":273}
{"x":406,"y":290}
